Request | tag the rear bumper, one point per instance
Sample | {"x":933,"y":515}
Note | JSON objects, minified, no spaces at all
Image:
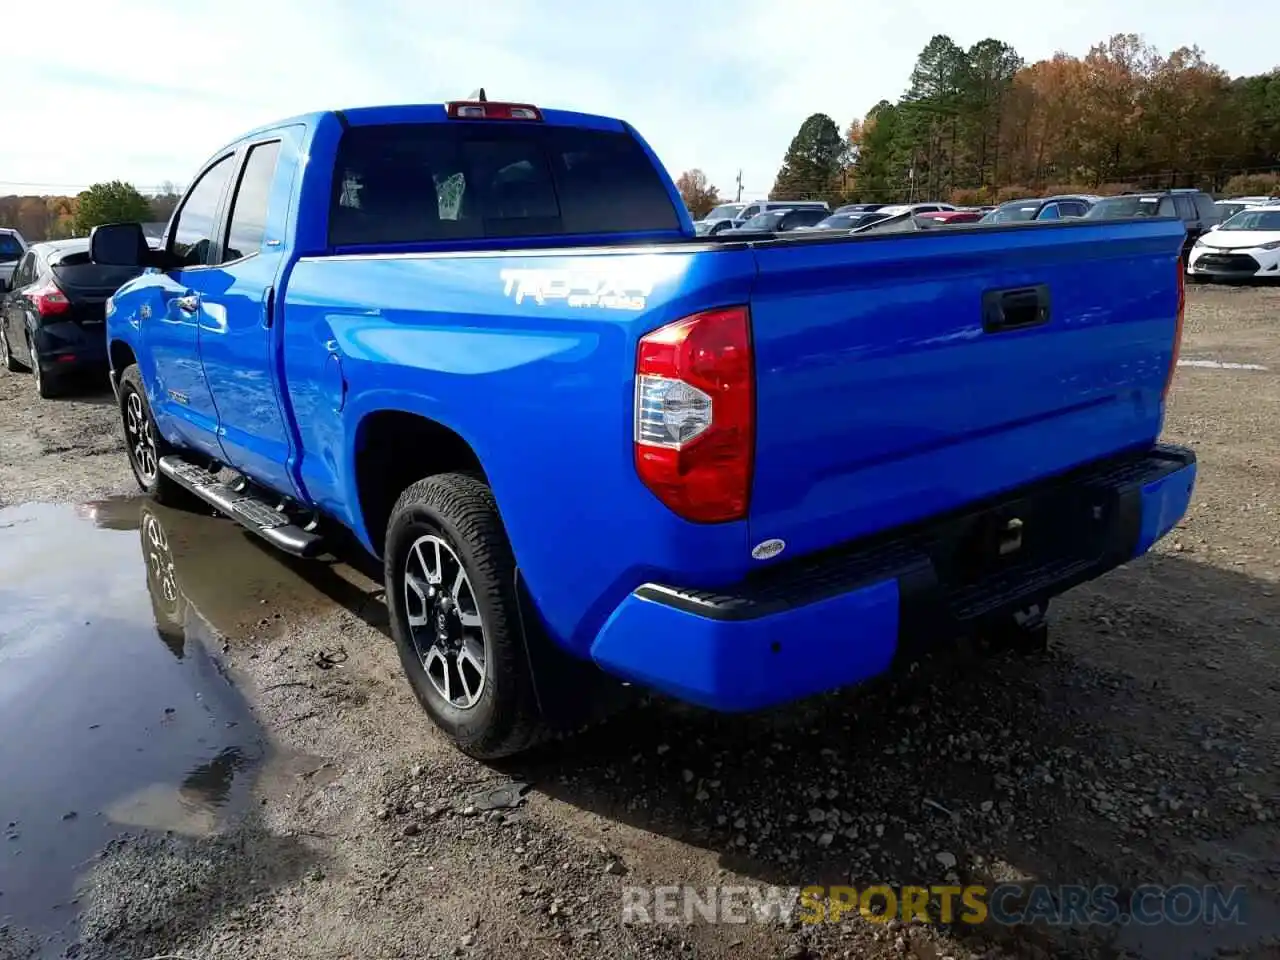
{"x":66,"y":346}
{"x":840,"y":618}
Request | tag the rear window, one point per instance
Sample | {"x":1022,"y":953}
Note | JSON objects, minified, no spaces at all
{"x":405,"y":183}
{"x":76,"y":270}
{"x":10,"y":249}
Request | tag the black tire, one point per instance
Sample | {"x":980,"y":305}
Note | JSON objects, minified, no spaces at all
{"x":460,"y":511}
{"x":6,"y":355}
{"x":152,"y":482}
{"x":48,"y":385}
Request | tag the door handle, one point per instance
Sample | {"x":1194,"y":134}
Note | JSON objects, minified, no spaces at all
{"x":188,"y":304}
{"x":1015,"y":309}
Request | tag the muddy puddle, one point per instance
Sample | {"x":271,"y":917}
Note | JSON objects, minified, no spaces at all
{"x":116,"y":715}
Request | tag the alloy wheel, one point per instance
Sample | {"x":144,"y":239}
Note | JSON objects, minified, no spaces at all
{"x":444,"y":622}
{"x":141,"y":440}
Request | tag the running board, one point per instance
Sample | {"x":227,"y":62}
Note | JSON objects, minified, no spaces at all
{"x":242,"y":506}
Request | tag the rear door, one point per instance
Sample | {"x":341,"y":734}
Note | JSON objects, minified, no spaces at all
{"x":899,"y":377}
{"x":238,"y":298}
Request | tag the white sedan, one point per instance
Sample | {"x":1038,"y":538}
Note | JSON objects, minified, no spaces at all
{"x":1247,"y":245}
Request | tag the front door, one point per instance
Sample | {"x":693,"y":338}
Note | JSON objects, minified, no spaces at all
{"x":172,"y":312}
{"x":239,"y":326}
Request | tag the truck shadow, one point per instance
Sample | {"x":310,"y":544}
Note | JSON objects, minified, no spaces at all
{"x":1139,"y":750}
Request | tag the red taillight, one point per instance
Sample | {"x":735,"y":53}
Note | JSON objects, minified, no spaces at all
{"x":1177,"y":329}
{"x":49,"y":300}
{"x":488,"y":110}
{"x":695,"y":414}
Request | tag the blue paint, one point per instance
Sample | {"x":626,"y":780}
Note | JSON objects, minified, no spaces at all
{"x":734,"y":665}
{"x":879,"y":399}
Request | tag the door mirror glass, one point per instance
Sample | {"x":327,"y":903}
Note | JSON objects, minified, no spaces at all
{"x":118,"y":245}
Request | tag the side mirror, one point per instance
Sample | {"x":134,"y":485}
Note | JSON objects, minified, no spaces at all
{"x":119,"y":245}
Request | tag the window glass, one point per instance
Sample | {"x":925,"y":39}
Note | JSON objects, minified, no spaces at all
{"x":25,"y":271}
{"x":1186,"y":209}
{"x":193,"y":232}
{"x":437,"y":181}
{"x":10,"y":248}
{"x":1166,"y":208}
{"x":249,"y":209}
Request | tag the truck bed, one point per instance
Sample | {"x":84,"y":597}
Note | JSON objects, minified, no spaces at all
{"x":881,"y":399}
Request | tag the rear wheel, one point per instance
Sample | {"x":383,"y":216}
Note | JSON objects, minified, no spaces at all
{"x":46,"y":383}
{"x":144,"y":443}
{"x":6,"y":355}
{"x":450,"y":579}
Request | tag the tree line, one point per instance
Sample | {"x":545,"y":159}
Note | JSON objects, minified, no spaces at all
{"x":980,"y":125}
{"x":55,"y":218}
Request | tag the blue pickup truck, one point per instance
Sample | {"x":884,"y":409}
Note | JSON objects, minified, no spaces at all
{"x":484,"y":339}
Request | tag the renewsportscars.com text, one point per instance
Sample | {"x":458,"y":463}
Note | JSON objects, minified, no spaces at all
{"x":1006,"y":904}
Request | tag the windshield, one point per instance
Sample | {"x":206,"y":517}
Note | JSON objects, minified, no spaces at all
{"x":1016,"y":212}
{"x":894,"y":209}
{"x":10,"y":248}
{"x":763,"y":221}
{"x":1254,"y":220}
{"x":1113,"y":208}
{"x":726,"y":211}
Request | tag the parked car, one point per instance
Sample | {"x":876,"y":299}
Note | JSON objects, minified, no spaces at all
{"x":843,"y":221}
{"x":12,"y":247}
{"x":780,"y":221}
{"x":895,"y":209}
{"x":952,"y":216}
{"x":1040,"y":208}
{"x":860,"y":207}
{"x":1194,"y":208}
{"x":1230,"y":207}
{"x":637,"y":458}
{"x":51,"y":319}
{"x":1246,"y":246}
{"x":718,"y":219}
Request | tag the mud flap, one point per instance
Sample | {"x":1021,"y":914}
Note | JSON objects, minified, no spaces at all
{"x":572,"y":692}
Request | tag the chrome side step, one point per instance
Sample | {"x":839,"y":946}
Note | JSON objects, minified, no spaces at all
{"x":244,"y":507}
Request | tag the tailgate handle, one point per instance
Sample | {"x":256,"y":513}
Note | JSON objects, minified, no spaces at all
{"x":1015,"y":309}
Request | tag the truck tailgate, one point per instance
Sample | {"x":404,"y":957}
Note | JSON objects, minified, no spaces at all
{"x":888,"y":390}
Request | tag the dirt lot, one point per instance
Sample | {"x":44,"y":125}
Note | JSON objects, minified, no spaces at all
{"x":1141,"y":750}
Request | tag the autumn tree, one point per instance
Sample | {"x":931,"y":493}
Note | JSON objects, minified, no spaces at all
{"x":812,"y":164}
{"x":112,"y":202}
{"x":698,"y":193}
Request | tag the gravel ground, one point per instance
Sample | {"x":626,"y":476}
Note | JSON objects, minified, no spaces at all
{"x":1141,"y":749}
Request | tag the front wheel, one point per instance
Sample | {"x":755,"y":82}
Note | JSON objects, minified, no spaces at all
{"x":144,"y":443}
{"x":6,"y":355}
{"x":451,"y":593}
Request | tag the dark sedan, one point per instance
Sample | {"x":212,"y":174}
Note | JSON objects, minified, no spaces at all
{"x":52,"y":320}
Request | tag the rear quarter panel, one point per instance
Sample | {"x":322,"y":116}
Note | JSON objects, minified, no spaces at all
{"x":542,"y":391}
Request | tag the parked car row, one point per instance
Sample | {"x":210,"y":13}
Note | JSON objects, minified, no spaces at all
{"x":1198,"y":211}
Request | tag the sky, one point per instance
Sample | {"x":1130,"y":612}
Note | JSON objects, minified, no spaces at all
{"x":146,"y":90}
